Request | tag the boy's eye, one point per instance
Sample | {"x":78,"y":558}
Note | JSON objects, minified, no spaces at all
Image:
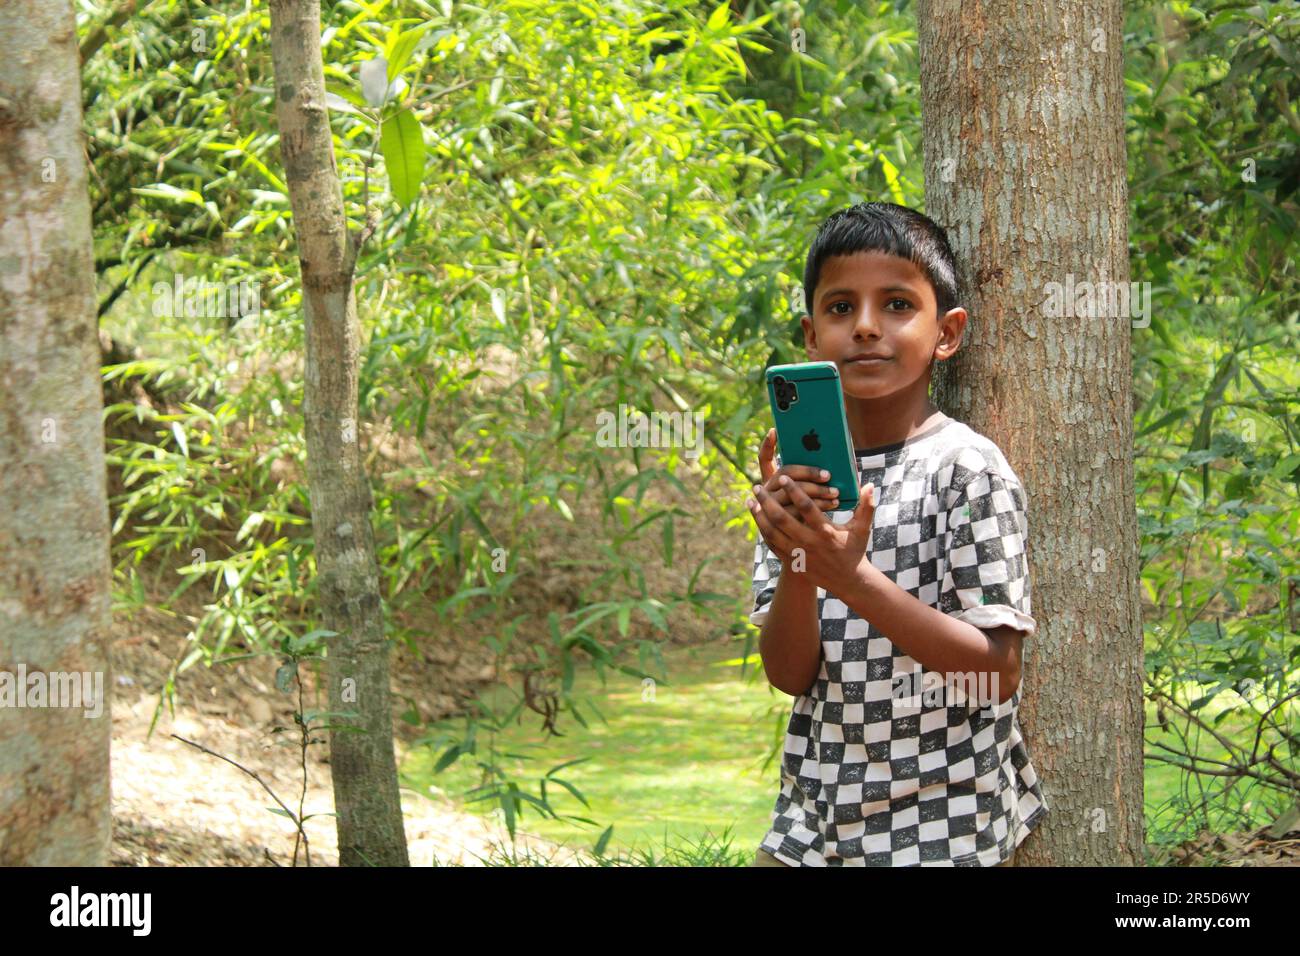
{"x":841,"y":302}
{"x":905,"y":303}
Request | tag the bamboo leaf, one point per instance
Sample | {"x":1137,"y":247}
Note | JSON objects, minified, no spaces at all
{"x":403,"y":48}
{"x":402,"y":142}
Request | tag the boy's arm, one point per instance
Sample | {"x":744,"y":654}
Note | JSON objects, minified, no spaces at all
{"x":986,"y":582}
{"x":790,"y":642}
{"x":935,"y":640}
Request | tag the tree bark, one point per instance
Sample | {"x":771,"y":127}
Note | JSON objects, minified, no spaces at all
{"x":1025,"y":166}
{"x":362,"y":764}
{"x":55,"y":794}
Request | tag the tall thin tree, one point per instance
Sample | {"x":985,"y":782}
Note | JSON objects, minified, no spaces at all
{"x":1023,"y":117}
{"x":55,"y":725}
{"x":362,"y":764}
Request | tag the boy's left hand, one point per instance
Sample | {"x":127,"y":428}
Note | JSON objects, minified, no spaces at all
{"x":831,"y":553}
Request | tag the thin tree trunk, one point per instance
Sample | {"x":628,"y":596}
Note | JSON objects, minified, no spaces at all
{"x":1025,"y":166}
{"x":363,"y":767}
{"x":55,"y":794}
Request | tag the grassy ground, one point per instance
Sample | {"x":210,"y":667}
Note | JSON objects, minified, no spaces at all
{"x":682,"y":767}
{"x":1170,"y":792}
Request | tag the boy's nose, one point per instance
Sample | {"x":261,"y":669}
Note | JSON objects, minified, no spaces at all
{"x":867,"y":323}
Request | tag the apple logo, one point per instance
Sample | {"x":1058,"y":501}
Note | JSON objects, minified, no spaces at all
{"x":811,"y":442}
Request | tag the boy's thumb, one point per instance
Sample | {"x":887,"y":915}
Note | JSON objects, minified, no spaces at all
{"x":866,"y":502}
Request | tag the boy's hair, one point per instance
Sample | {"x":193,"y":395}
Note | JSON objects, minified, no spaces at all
{"x":891,"y":229}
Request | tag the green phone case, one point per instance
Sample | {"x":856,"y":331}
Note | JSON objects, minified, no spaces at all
{"x":813,"y":429}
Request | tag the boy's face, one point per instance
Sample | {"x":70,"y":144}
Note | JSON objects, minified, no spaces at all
{"x":874,"y":317}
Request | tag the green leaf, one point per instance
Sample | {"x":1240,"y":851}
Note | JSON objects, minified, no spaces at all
{"x":284,"y":677}
{"x":508,"y":805}
{"x":604,"y":840}
{"x":310,"y":638}
{"x":402,"y":49}
{"x":449,"y":757}
{"x":402,"y":142}
{"x":567,"y":763}
{"x":1168,"y":419}
{"x":1287,"y":465}
{"x":340,"y":105}
{"x":179,"y":434}
{"x":653,"y":610}
{"x":573,"y":790}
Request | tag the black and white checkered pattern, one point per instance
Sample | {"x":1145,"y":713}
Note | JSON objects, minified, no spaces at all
{"x":874,"y":778}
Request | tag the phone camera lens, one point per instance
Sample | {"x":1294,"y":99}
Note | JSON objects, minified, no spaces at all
{"x":786,"y":392}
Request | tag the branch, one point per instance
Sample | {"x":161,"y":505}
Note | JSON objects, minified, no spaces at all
{"x":296,"y":822}
{"x":1284,"y":104}
{"x":125,"y":283}
{"x":99,"y":36}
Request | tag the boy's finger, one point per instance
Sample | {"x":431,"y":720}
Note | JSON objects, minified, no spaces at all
{"x":774,"y":540}
{"x":807,"y":473}
{"x":814,"y":490}
{"x":766,"y":453}
{"x":779,"y":517}
{"x":865,"y":510}
{"x":808,"y":509}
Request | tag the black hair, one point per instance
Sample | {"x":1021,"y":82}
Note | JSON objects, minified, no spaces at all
{"x":891,"y":229}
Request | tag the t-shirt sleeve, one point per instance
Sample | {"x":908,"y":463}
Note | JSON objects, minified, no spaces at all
{"x":767,"y":568}
{"x":986,"y":577}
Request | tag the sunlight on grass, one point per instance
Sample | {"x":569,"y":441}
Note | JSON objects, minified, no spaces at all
{"x":677,"y":762}
{"x":1169,"y":790}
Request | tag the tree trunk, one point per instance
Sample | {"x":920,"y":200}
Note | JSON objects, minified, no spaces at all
{"x":1025,"y":166}
{"x":362,"y":764}
{"x":55,"y":806}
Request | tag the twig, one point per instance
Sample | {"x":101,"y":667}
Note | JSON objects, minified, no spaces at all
{"x":296,"y":821}
{"x":125,"y":284}
{"x":306,"y":741}
{"x":99,"y":36}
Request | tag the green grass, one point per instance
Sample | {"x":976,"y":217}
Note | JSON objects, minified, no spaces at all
{"x":683,"y":767}
{"x":1170,"y":792}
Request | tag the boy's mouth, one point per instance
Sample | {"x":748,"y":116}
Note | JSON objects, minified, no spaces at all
{"x":866,"y":359}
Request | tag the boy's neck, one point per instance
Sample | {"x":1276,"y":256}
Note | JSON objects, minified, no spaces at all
{"x":874,"y":422}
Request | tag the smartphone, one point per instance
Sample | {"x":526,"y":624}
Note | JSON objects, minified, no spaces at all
{"x":811,"y":427}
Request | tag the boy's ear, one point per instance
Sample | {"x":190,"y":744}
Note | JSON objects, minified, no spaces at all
{"x":809,"y":336}
{"x":951,"y":329}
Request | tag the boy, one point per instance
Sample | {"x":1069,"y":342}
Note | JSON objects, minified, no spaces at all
{"x":897,"y":631}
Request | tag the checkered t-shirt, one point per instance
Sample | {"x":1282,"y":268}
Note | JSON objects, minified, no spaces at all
{"x":885,"y":763}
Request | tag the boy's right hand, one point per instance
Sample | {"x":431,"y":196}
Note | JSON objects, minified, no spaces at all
{"x":813,"y":481}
